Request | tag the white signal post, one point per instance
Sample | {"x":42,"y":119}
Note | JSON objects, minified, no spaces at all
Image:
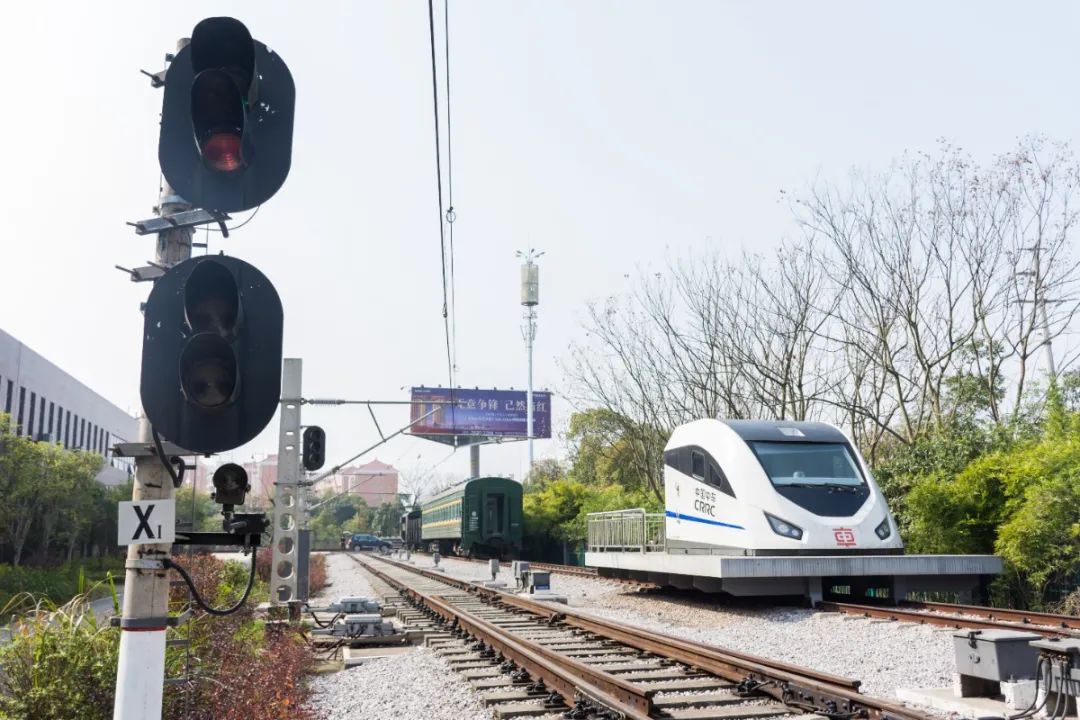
{"x":140,"y":672}
{"x":530,"y":298}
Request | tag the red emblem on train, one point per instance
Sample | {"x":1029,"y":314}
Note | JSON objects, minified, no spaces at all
{"x":845,"y":537}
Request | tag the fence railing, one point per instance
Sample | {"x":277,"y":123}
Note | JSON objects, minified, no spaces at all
{"x":625,"y":531}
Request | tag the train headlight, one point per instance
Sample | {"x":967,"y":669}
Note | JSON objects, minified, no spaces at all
{"x":783,"y":527}
{"x":884,"y":530}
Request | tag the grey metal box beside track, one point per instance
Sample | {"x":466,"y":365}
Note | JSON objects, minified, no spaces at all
{"x":996,"y":654}
{"x":1069,"y":647}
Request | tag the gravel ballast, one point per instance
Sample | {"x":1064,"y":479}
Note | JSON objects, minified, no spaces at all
{"x":884,"y":655}
{"x":343,"y":579}
{"x":413,"y":685}
{"x":416,"y":684}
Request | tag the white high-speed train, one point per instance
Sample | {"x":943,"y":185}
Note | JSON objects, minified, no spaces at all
{"x":772,"y":488}
{"x":757,"y":507}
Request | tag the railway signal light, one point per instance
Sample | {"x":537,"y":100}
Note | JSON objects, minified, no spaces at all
{"x":314,"y":448}
{"x":226,"y":119}
{"x":211,"y":364}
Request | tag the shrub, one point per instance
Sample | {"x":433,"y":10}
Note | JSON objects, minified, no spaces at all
{"x":59,"y":664}
{"x":239,"y":674}
{"x":316,"y":569}
{"x":1022,"y":503}
{"x":317,"y":574}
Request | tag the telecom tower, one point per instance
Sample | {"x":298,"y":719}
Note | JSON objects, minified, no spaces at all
{"x":530,"y":298}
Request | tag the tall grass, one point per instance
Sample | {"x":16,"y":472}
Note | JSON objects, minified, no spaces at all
{"x":59,"y":663}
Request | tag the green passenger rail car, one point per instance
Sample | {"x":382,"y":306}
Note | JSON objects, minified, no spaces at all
{"x":481,"y":517}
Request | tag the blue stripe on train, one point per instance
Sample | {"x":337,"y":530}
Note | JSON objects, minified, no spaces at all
{"x":678,"y":516}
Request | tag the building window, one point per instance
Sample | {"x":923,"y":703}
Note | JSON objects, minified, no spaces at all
{"x":7,"y":403}
{"x":30,"y":419}
{"x":22,"y":402}
{"x":41,"y":418}
{"x":93,"y":438}
{"x":52,"y":428}
{"x":67,"y":429}
{"x":81,"y":443}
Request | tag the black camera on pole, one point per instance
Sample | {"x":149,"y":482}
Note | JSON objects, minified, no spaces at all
{"x":226,"y":119}
{"x":211,"y":363}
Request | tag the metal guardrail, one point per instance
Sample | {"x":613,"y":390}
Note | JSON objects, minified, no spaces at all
{"x":625,"y":531}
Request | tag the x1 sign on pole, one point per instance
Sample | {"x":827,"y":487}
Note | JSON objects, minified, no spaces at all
{"x":147,"y":522}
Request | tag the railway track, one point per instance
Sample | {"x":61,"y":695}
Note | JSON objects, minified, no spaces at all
{"x":965,"y":616}
{"x":577,"y":571}
{"x":532,"y":658}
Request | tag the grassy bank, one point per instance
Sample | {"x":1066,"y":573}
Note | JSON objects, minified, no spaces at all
{"x":57,"y":584}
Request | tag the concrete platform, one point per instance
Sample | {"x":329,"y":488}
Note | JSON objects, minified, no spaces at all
{"x":709,"y":570}
{"x":944,"y":699}
{"x":737,"y":566}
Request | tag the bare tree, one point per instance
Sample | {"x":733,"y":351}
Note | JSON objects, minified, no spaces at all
{"x":900,"y":284}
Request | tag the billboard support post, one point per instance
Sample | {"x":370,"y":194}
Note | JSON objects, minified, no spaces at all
{"x":474,"y":461}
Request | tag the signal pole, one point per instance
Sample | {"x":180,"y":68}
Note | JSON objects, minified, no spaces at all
{"x":210,"y":378}
{"x":140,"y":672}
{"x":530,"y":298}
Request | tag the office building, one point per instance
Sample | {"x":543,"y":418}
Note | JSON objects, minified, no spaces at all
{"x":47,"y":404}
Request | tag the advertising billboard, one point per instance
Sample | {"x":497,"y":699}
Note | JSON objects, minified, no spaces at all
{"x":461,"y":416}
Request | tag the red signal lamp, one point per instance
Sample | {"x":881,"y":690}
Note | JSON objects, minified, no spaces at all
{"x":221,"y":152}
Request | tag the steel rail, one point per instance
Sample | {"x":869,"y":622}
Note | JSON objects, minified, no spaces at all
{"x":548,"y":611}
{"x":1026,"y":617}
{"x":797,"y":687}
{"x":570,"y":678}
{"x":944,"y":620}
{"x":666,"y":646}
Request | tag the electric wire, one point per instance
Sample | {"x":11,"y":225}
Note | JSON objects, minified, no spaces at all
{"x":438,"y":182}
{"x":168,"y":462}
{"x":220,"y":612}
{"x":237,"y":227}
{"x":451,"y":215}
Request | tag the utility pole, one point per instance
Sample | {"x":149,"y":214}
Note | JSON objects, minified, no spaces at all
{"x":1050,"y":367}
{"x":1040,"y":301}
{"x":530,"y":298}
{"x":140,"y":672}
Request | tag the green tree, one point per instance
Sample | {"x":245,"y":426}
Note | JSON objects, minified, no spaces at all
{"x":609,"y":448}
{"x":197,"y":508}
{"x":1021,"y":501}
{"x":386,"y":519}
{"x":22,"y":473}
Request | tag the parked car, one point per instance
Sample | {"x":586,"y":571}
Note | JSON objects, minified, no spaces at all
{"x":361,"y":541}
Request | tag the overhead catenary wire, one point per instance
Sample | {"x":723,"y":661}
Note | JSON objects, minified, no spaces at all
{"x":451,"y":214}
{"x":438,"y":182}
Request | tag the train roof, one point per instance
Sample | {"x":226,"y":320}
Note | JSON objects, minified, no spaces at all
{"x":460,"y":487}
{"x":785,"y":431}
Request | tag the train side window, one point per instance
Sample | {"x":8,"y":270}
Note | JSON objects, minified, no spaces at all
{"x":697,"y":465}
{"x":718,"y":480}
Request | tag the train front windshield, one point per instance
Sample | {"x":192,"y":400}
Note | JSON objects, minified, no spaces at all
{"x":808,"y":464}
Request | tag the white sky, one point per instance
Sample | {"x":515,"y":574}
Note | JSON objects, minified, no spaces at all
{"x":609,"y":134}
